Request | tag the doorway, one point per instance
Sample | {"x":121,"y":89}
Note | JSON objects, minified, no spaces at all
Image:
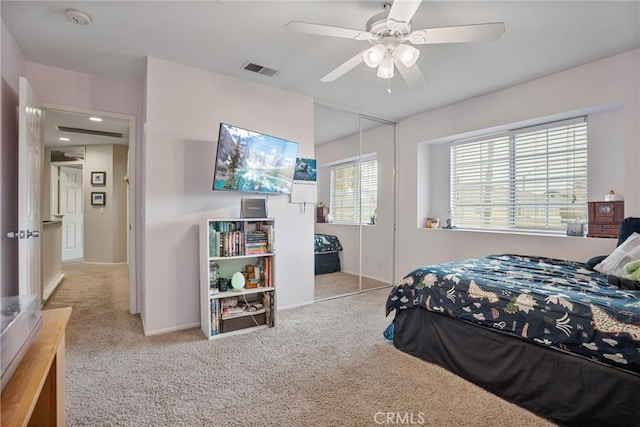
{"x":68,"y":188}
{"x":94,"y":197}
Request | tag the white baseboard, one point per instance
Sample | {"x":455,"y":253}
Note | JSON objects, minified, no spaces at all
{"x":105,"y":263}
{"x":164,"y":331}
{"x":51,"y":287}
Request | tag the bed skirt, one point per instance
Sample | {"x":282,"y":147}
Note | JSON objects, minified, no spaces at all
{"x":566,"y":389}
{"x":327,"y":262}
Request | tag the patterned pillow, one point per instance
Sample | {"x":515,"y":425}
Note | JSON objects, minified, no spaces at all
{"x":626,"y":252}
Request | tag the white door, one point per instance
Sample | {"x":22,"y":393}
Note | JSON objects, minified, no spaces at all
{"x":29,"y":180}
{"x":71,"y":207}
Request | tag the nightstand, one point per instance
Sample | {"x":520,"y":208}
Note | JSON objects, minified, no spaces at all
{"x":605,"y":218}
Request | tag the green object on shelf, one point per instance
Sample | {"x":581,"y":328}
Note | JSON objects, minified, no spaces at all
{"x":237,"y":280}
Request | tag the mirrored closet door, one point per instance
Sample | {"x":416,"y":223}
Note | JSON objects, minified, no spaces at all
{"x":355,"y":215}
{"x":377,"y":200}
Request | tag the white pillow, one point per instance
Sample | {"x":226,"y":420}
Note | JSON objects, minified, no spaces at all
{"x":626,"y":252}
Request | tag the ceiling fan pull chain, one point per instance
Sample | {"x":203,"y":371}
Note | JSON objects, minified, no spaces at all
{"x":389,"y":86}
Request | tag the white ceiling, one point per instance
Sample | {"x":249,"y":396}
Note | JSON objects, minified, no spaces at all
{"x":82,"y":130}
{"x":542,"y":37}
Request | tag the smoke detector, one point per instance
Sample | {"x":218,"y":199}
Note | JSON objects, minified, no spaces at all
{"x":77,"y":17}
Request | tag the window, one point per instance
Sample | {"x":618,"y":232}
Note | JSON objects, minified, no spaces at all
{"x":530,"y":179}
{"x":355,"y":201}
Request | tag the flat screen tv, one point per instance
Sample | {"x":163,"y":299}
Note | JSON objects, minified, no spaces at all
{"x":253,"y":162}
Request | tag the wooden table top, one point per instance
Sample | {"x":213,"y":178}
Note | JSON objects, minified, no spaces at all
{"x":21,"y":393}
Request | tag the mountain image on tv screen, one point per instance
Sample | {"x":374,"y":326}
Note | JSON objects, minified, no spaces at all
{"x":253,"y":162}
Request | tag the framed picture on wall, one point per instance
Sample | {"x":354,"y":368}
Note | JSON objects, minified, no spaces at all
{"x":98,"y":198}
{"x":98,"y":178}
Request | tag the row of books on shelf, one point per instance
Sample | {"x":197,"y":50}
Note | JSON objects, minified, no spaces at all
{"x":266,"y":265}
{"x":227,"y":226}
{"x":240,"y":242}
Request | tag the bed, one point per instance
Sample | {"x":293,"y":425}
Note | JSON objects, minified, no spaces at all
{"x":549,"y":335}
{"x":327,"y":250}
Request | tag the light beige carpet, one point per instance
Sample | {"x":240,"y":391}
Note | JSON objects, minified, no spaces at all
{"x":325,"y":364}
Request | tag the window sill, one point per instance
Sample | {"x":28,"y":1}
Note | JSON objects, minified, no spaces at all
{"x":517,"y":233}
{"x":345,"y":224}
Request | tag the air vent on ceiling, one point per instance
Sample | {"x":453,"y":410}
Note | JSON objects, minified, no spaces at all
{"x":255,"y":68}
{"x":90,"y":132}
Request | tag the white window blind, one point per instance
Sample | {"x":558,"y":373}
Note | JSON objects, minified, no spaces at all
{"x":531,"y":179}
{"x":354,"y":200}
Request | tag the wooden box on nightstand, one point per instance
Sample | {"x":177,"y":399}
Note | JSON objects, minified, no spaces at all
{"x":605,"y":218}
{"x":321,"y":214}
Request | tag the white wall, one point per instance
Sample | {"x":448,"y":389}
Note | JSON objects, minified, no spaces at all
{"x":377,"y":241}
{"x":119,"y":200}
{"x":184,"y":107}
{"x":97,"y":244}
{"x":13,"y":65}
{"x":608,"y":82}
{"x":58,"y":86}
{"x":105,"y":226}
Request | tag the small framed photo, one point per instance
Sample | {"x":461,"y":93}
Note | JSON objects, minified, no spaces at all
{"x":98,"y":178}
{"x":98,"y":198}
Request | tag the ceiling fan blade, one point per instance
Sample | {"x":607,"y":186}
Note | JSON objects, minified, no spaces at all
{"x":344,"y":68}
{"x":327,"y":30}
{"x":403,"y":10}
{"x":458,"y":34}
{"x":412,"y":75}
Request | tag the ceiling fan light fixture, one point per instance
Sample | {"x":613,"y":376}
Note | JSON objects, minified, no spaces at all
{"x":406,"y":54}
{"x":387,"y":32}
{"x":374,"y":55}
{"x":386,"y":68}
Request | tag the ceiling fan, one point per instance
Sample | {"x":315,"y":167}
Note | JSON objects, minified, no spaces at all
{"x":388,"y":31}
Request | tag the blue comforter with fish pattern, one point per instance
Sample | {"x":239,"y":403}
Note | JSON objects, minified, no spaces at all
{"x":556,"y":303}
{"x":326,"y":243}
